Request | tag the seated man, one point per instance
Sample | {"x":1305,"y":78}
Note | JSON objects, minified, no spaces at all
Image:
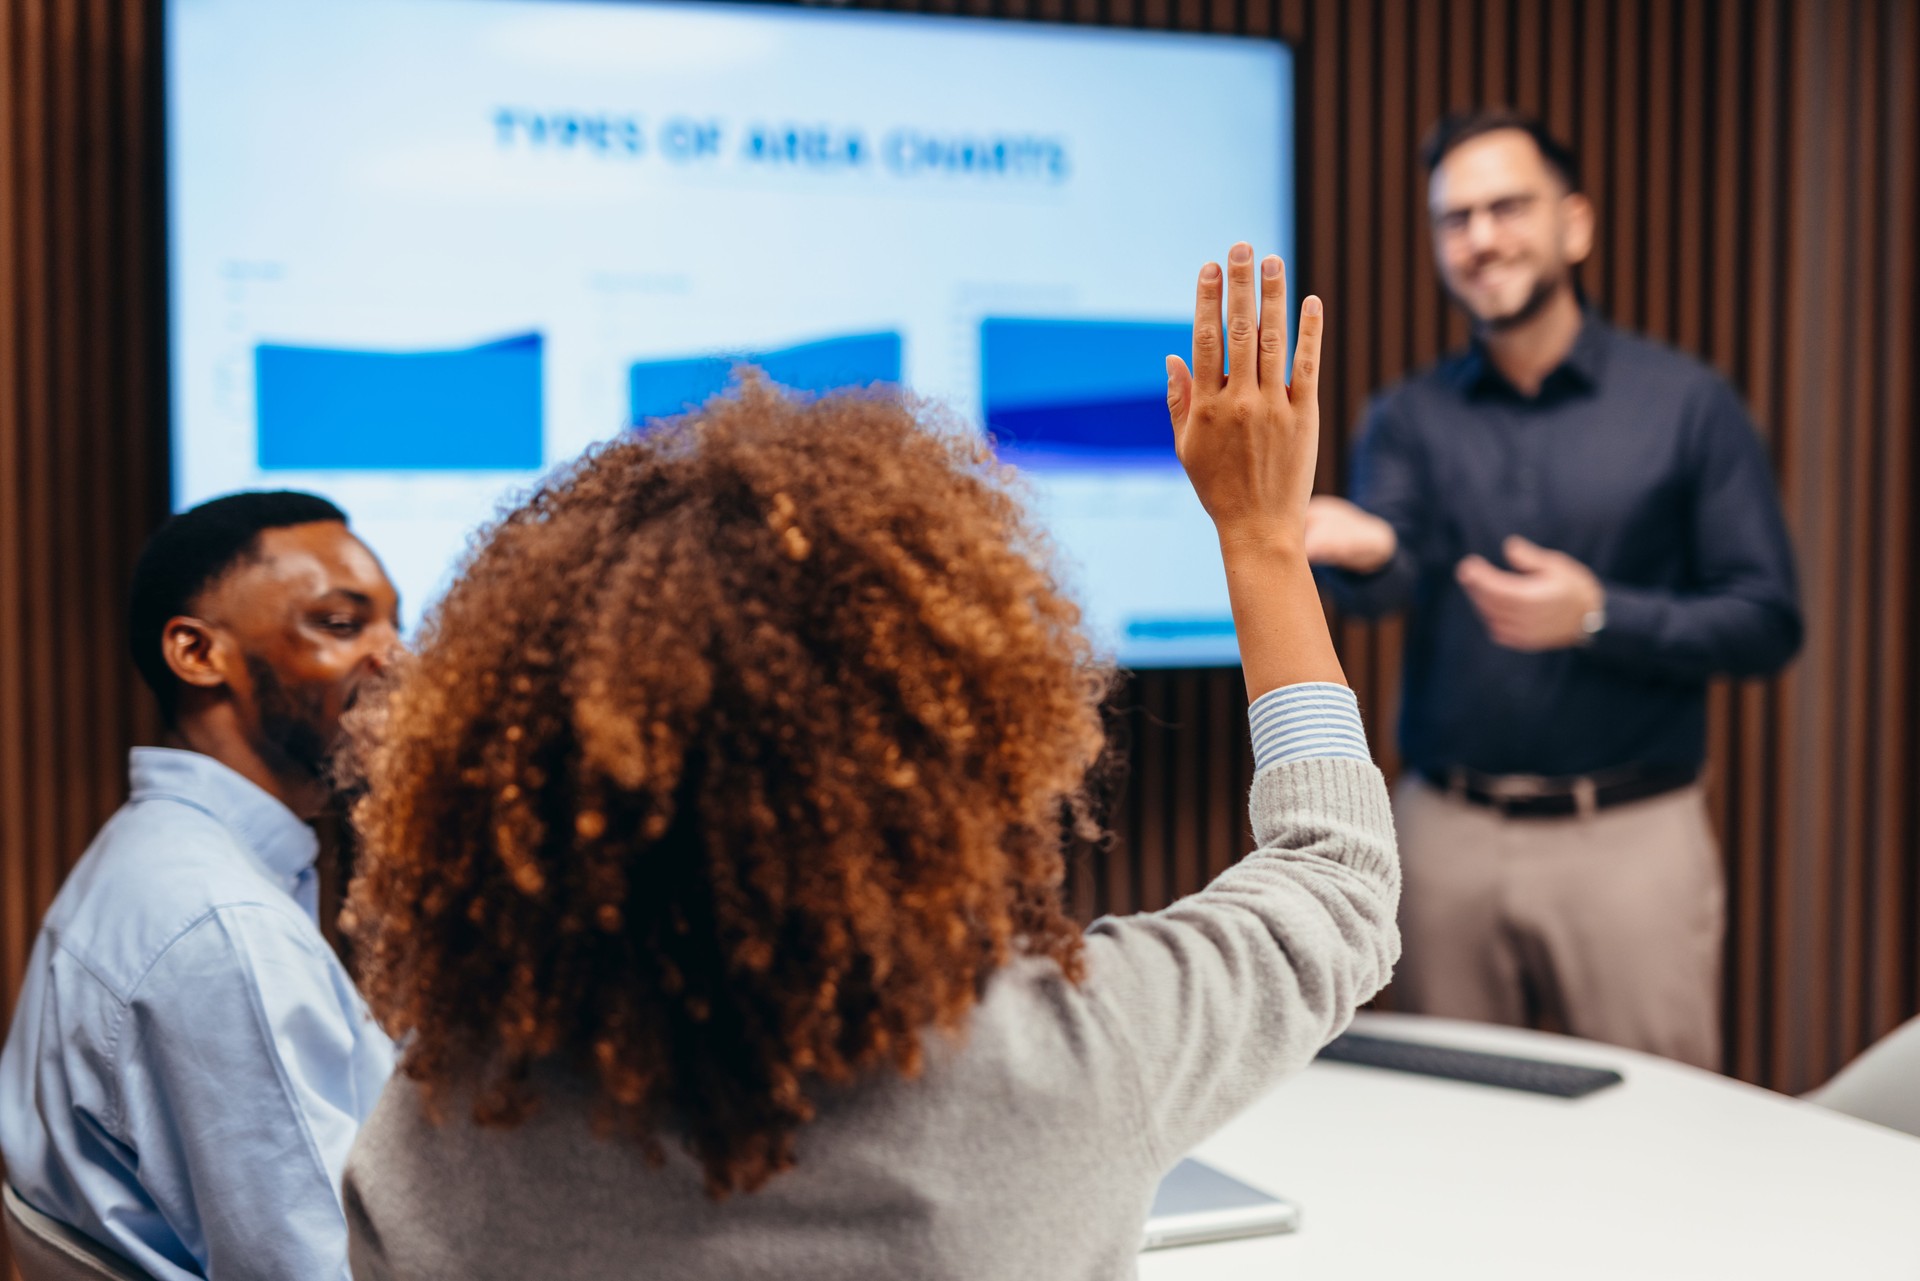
{"x":189,"y":1063}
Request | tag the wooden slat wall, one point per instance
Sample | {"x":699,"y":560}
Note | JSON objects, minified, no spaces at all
{"x":1757,"y":168}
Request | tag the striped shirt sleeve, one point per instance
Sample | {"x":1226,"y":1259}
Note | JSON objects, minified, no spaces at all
{"x":1319,"y":720}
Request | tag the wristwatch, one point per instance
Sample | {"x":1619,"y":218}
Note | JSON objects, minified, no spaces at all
{"x":1592,"y":622}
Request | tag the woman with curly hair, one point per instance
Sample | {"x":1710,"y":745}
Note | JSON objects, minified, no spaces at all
{"x":712,"y":853}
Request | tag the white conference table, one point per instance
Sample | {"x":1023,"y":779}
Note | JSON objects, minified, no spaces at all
{"x":1675,"y":1173}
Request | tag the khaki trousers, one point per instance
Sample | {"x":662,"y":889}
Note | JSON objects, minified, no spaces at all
{"x":1607,"y":924}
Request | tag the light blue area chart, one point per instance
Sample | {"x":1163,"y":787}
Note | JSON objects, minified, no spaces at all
{"x":341,"y":409}
{"x":1079,"y":394}
{"x":664,"y":388}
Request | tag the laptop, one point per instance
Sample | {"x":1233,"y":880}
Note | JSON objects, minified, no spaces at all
{"x":1197,"y":1203}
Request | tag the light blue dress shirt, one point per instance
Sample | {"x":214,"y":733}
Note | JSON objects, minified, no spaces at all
{"x":188,"y":1062}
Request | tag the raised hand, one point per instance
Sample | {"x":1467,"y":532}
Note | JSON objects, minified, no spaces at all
{"x":1249,"y":439}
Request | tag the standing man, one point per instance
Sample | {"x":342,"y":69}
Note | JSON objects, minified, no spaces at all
{"x":1584,"y":529}
{"x":188,"y":1062}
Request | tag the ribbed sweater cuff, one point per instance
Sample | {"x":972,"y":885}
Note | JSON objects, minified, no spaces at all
{"x":1326,"y":793}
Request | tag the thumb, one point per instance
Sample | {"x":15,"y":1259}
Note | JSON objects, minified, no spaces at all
{"x":1526,"y":557}
{"x":1179,"y":394}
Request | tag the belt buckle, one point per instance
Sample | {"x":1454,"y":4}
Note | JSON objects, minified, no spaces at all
{"x":1525,"y":805}
{"x":1510,"y":791}
{"x":1520,"y":794}
{"x":1586,"y":796}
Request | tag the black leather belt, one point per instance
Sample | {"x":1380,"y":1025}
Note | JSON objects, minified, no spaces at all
{"x":1524,"y":796}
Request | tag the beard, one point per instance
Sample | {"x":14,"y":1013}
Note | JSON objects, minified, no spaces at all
{"x":294,"y":732}
{"x":1545,"y":288}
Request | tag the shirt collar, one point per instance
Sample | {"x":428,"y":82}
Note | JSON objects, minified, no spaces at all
{"x":273,"y":834}
{"x":1581,"y":369}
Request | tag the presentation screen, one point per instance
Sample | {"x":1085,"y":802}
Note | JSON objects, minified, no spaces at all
{"x":422,"y":251}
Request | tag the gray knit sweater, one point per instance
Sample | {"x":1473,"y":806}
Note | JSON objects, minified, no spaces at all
{"x":1030,"y":1148}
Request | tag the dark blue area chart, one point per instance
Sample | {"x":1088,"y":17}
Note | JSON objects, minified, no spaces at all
{"x":1079,"y":394}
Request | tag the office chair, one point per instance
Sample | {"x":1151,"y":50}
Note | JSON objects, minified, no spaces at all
{"x":1883,"y":1084}
{"x":47,"y":1250}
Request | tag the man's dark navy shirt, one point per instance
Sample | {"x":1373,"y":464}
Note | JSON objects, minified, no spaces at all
{"x":1635,"y":460}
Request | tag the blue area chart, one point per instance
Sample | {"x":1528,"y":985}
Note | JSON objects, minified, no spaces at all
{"x":663,"y":388}
{"x":1079,"y":394}
{"x":334,"y":409}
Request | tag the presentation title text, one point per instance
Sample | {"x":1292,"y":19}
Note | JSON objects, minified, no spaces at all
{"x":787,"y":145}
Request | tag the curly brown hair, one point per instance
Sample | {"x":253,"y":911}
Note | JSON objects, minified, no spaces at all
{"x":737,"y":758}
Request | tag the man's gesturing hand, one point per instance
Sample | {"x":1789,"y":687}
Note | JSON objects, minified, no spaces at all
{"x":1344,"y":536}
{"x":1541,"y":606}
{"x":1247,"y":437}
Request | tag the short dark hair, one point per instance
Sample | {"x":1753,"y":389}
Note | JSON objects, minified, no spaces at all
{"x":188,"y":553}
{"x":1457,"y":127}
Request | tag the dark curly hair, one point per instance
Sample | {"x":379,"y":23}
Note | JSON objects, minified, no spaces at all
{"x":735,"y":761}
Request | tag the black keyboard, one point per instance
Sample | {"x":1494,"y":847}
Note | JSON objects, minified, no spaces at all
{"x":1563,"y":1080}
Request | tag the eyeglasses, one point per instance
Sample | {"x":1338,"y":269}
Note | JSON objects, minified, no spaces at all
{"x":1506,"y":210}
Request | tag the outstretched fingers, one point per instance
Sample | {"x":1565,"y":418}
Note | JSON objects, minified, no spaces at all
{"x":1208,"y":353}
{"x":1243,"y":316}
{"x":1273,"y":321}
{"x":1304,"y":390}
{"x":1250,"y":347}
{"x":1179,"y":398}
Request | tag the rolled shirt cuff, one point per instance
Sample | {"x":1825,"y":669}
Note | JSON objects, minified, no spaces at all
{"x":1314,"y":721}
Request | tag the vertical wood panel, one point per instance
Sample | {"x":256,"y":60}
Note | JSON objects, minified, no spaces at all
{"x":82,"y":449}
{"x":1592,"y":137}
{"x":1721,"y":50}
{"x":1426,"y":310}
{"x":1529,"y":67}
{"x":36,"y":369}
{"x":1689,"y":264}
{"x":1817,"y":306}
{"x":1353,"y":297}
{"x":1561,"y":67}
{"x":19,"y":906}
{"x":1460,"y":75}
{"x":1773,"y":383}
{"x":1895,"y":875}
{"x":1626,"y":212}
{"x":1496,"y":30}
{"x":1656,"y":153}
{"x":1192,"y":802}
{"x":68,"y":392}
{"x":1858,"y":462}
